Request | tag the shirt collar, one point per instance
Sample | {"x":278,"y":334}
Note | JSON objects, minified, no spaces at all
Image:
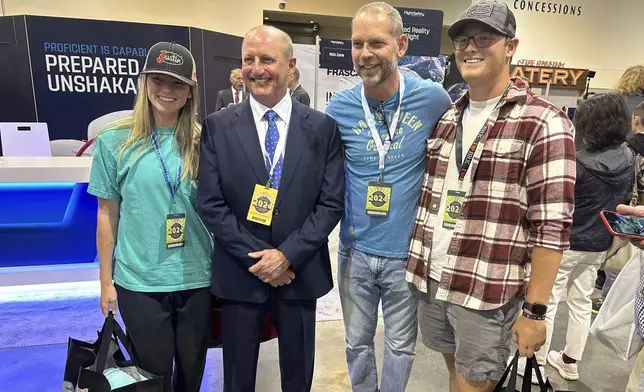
{"x":517,"y":92}
{"x":283,"y":107}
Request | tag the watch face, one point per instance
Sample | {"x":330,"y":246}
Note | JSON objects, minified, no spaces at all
{"x":539,"y":309}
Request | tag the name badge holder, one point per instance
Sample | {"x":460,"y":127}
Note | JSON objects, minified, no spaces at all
{"x":262,"y":203}
{"x":379,"y":192}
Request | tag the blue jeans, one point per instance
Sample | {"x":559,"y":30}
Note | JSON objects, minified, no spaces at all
{"x":363,"y":280}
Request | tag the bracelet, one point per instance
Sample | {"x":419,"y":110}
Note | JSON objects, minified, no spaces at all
{"x":533,"y":317}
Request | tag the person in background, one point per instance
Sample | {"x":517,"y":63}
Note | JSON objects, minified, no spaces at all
{"x":233,"y":95}
{"x":385,"y":121}
{"x":297,"y":91}
{"x":622,"y":252}
{"x":495,"y":211}
{"x":271,"y":187}
{"x":631,"y":86}
{"x":153,"y":249}
{"x":605,"y":178}
{"x":636,"y":142}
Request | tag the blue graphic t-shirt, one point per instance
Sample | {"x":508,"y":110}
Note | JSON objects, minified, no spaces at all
{"x":423,"y":103}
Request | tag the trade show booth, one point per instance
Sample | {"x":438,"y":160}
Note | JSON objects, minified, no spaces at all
{"x":70,"y":72}
{"x":65,"y":79}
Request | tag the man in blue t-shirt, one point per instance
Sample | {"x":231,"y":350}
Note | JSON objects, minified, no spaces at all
{"x":384,"y":122}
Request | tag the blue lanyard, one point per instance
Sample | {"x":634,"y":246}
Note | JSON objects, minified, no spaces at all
{"x":164,"y":168}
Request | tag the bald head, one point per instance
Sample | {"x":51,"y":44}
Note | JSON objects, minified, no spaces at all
{"x":384,"y":10}
{"x":269,"y":33}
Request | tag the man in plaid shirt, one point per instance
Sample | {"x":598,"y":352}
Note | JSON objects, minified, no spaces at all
{"x":495,"y":210}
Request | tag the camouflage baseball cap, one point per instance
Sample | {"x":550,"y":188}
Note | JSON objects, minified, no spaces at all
{"x":496,"y":15}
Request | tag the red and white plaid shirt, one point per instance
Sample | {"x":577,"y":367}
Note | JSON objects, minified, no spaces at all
{"x":521,"y":196}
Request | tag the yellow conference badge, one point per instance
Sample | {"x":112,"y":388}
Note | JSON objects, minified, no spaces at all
{"x":175,"y":225}
{"x":378,"y":198}
{"x":453,"y":205}
{"x":262,"y":205}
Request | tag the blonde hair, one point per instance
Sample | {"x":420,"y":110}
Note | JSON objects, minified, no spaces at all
{"x":632,"y":81}
{"x":187,"y":131}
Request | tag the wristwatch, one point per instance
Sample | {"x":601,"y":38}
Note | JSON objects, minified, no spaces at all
{"x":535,"y":308}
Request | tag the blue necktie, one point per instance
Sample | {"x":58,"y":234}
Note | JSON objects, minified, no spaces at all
{"x":272,"y":138}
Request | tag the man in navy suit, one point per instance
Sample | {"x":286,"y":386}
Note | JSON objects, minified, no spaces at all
{"x":271,"y":190}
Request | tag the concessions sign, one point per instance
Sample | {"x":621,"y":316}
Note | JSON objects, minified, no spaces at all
{"x":558,"y":77}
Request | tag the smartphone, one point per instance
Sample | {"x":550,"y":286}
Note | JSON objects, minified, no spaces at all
{"x":628,"y":226}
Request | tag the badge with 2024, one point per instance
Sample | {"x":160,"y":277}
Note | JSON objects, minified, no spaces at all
{"x":453,"y":205}
{"x":378,"y":198}
{"x":175,"y":225}
{"x":262,"y":205}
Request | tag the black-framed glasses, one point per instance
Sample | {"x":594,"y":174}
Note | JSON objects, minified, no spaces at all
{"x":481,"y":40}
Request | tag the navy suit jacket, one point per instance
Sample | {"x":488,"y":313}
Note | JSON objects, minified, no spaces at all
{"x":310,"y":201}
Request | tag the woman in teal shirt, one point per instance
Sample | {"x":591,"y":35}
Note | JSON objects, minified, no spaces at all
{"x":154,"y":252}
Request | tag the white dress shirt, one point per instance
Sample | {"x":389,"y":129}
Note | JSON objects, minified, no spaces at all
{"x":241,"y":94}
{"x":283,"y":119}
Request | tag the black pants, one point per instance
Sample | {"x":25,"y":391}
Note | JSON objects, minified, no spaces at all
{"x":167,"y":327}
{"x":241,"y":324}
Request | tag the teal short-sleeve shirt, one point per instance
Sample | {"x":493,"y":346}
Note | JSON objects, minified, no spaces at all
{"x":135,"y":179}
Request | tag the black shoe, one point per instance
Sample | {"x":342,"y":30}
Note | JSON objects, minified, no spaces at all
{"x":597,"y":304}
{"x":601,"y":278}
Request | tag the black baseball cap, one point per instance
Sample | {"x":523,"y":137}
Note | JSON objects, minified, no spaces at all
{"x":496,"y":15}
{"x":170,"y":58}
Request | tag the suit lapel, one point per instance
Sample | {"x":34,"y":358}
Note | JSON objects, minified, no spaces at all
{"x":246,"y":131}
{"x":298,"y":133}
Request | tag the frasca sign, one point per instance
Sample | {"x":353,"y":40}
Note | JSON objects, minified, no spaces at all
{"x":558,"y":77}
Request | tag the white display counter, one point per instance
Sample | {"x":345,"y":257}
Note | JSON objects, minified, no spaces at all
{"x":47,"y":221}
{"x":44,"y":169}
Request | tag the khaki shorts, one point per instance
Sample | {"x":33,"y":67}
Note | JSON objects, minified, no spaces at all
{"x":479,"y":339}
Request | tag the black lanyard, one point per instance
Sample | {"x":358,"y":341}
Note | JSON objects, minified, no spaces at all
{"x":463,"y":165}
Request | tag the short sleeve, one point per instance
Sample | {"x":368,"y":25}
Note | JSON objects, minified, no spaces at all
{"x":102,"y":179}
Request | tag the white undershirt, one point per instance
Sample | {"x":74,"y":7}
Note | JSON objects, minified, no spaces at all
{"x":474,"y":117}
{"x":283,"y":119}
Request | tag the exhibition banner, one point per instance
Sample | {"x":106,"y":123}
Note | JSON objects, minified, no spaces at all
{"x":83,"y":69}
{"x":423,"y":29}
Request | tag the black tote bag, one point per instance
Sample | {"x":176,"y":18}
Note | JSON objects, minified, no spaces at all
{"x":511,"y":375}
{"x":86,"y":362}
